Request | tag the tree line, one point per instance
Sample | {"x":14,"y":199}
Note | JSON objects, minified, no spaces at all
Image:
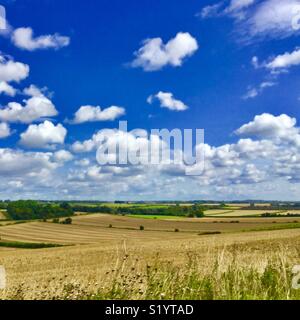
{"x":31,"y":210}
{"x":188,"y":211}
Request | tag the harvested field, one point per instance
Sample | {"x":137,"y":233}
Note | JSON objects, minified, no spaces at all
{"x":103,"y":249}
{"x":242,"y":213}
{"x":90,"y":269}
{"x":106,"y":228}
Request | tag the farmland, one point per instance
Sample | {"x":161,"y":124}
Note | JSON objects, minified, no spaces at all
{"x":237,"y":213}
{"x":98,"y":250}
{"x":2,"y":214}
{"x":96,"y":228}
{"x":248,"y":213}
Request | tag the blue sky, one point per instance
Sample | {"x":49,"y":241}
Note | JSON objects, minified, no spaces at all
{"x":214,"y":65}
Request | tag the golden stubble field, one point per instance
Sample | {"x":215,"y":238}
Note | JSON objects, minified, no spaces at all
{"x":104,"y":228}
{"x":97,"y":255}
{"x":247,"y":212}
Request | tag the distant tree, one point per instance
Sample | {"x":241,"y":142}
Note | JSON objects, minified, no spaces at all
{"x":67,"y":221}
{"x":199,"y":214}
{"x":65,"y":205}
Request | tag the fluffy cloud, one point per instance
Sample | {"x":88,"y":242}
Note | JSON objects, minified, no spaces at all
{"x":83,"y":162}
{"x":167,"y":100}
{"x":85,"y":146}
{"x":134,"y":145}
{"x":35,"y":108}
{"x":261,"y":165}
{"x":259,"y":19}
{"x":93,"y":114}
{"x":4,"y":130}
{"x":24,"y":39}
{"x":274,"y":18}
{"x":7,"y":89}
{"x":63,"y":156}
{"x":154,"y":54}
{"x":272,"y":157}
{"x":12,"y":71}
{"x":45,"y":135}
{"x":29,"y":175}
{"x":22,"y":164}
{"x":34,"y":91}
{"x":285,"y":60}
{"x":268,"y":126}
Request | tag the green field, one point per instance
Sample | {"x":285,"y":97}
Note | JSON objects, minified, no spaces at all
{"x":141,"y":216}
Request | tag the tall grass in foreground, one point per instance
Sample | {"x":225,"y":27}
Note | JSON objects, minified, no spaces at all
{"x":169,"y":282}
{"x":166,"y":281}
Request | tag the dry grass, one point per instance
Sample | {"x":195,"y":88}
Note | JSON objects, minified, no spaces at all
{"x":84,"y":270}
{"x":125,"y":264}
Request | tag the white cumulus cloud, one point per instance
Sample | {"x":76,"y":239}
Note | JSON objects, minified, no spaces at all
{"x":12,"y":71}
{"x":22,"y":164}
{"x":45,"y":135}
{"x":24,"y":39}
{"x":7,"y":89}
{"x":154,"y":54}
{"x":168,"y":101}
{"x":269,"y":126}
{"x":63,"y":156}
{"x":35,"y":108}
{"x":93,"y":114}
{"x":285,"y":61}
{"x":4,"y":130}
